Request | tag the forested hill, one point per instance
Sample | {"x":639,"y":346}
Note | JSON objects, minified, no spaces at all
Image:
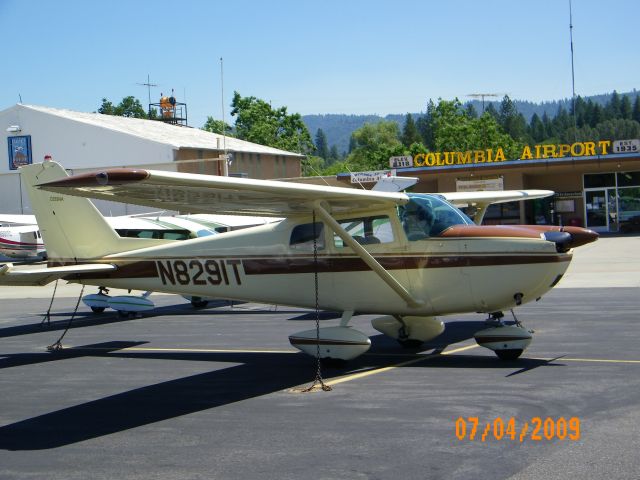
{"x":338,"y":127}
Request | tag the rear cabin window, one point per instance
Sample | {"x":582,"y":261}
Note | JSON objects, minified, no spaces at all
{"x":302,"y":236}
{"x":366,"y":230}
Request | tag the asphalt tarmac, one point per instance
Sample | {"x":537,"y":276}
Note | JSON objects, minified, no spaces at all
{"x":216,"y":393}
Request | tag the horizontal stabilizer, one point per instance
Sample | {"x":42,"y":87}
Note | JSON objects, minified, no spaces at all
{"x":28,"y":276}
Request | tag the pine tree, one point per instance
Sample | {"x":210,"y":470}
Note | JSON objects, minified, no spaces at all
{"x":471,"y":111}
{"x":636,"y":109}
{"x":536,"y":129}
{"x":334,"y":156}
{"x":491,"y":110}
{"x":612,"y":109}
{"x":410,"y":133}
{"x":322,"y":149}
{"x":626,"y":109}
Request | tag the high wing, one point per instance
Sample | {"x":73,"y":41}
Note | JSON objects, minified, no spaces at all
{"x":194,"y":193}
{"x":19,"y":276}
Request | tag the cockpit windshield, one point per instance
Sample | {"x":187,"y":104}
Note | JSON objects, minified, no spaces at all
{"x":428,"y":216}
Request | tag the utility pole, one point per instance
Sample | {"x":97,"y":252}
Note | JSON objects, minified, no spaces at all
{"x":573,"y":82}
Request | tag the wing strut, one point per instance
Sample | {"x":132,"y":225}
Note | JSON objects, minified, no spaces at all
{"x":366,"y":257}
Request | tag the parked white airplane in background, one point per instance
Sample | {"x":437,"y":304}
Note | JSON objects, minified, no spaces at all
{"x":408,"y":257}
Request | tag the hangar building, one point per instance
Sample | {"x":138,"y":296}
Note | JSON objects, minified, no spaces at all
{"x":596,"y":183}
{"x":88,"y":141}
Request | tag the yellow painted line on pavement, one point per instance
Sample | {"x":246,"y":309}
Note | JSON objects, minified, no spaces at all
{"x":590,"y":360}
{"x":187,"y":350}
{"x":355,"y":376}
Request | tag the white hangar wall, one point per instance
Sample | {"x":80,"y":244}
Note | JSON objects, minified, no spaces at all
{"x":76,"y":146}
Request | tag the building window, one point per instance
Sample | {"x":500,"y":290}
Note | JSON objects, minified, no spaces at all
{"x":599,"y":180}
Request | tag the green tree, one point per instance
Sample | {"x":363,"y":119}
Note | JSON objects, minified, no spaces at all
{"x":511,"y":121}
{"x":536,"y":129}
{"x":312,"y":166}
{"x":333,"y":155}
{"x":128,"y":107}
{"x":491,"y":110}
{"x":322,"y":148}
{"x":424,"y":124}
{"x":409,"y":132}
{"x":635,"y":115}
{"x":374,"y":144}
{"x":612,"y":109}
{"x":471,"y":111}
{"x":455,"y":131}
{"x":217,"y":126}
{"x":258,"y":122}
{"x":618,"y":129}
{"x":626,"y":110}
{"x":107,"y":107}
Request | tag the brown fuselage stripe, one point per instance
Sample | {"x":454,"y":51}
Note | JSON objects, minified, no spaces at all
{"x":295,"y":265}
{"x":276,"y":266}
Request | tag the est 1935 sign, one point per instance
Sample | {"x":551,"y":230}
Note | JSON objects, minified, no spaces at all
{"x":625,"y":146}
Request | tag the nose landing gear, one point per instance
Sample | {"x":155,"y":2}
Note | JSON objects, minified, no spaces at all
{"x":507,"y":341}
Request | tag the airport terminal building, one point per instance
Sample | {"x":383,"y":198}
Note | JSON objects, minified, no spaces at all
{"x":597,"y":183}
{"x":84,"y":142}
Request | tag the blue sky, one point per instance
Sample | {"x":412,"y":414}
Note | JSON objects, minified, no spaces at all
{"x":361,"y":57}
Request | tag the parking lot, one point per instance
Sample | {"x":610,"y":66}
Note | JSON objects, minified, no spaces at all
{"x":216,"y":393}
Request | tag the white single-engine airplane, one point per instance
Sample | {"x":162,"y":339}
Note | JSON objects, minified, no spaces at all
{"x":408,"y":257}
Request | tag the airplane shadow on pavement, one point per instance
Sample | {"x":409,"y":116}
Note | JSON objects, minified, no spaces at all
{"x":253,"y":377}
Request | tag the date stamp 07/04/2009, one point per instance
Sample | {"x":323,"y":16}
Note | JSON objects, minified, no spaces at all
{"x":536,"y":429}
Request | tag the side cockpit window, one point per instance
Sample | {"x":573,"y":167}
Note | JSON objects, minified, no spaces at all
{"x":366,"y":230}
{"x":302,"y":236}
{"x":428,"y":216}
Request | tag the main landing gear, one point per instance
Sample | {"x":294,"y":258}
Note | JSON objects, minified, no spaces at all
{"x":344,"y":343}
{"x":409,"y":331}
{"x":507,"y":341}
{"x":125,"y":305}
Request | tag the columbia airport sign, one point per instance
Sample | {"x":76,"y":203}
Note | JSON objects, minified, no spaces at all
{"x":489,"y":155}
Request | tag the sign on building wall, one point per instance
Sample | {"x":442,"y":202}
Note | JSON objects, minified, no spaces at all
{"x":482,"y":184}
{"x":19,"y":151}
{"x":405,"y":161}
{"x":369,"y":177}
{"x":623,"y":146}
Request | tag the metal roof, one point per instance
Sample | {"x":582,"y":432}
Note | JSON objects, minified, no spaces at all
{"x":157,"y":131}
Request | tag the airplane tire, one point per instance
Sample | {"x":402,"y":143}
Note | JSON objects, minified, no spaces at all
{"x":98,"y":309}
{"x":510,"y":354}
{"x":410,"y":343}
{"x":197,"y":302}
{"x":333,"y":362}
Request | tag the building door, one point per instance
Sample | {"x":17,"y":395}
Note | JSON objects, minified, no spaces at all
{"x":601,"y":210}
